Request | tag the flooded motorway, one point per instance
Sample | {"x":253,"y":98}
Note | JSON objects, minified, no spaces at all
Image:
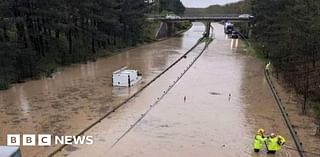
{"x":80,"y":94}
{"x":214,"y":109}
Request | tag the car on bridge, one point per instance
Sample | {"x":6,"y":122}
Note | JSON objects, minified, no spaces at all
{"x":173,"y":17}
{"x":247,"y":16}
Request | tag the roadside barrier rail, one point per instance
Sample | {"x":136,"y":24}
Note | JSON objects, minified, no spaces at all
{"x":292,"y":131}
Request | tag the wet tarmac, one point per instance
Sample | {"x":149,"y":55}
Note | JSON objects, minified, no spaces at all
{"x":214,"y":110}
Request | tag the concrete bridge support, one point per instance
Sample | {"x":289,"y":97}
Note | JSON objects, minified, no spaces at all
{"x":171,"y":28}
{"x":166,"y":29}
{"x":208,"y":27}
{"x":249,"y":30}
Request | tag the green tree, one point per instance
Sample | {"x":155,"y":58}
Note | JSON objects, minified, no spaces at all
{"x":175,"y":6}
{"x":36,"y":35}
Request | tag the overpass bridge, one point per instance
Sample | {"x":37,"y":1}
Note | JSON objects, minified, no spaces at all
{"x":201,"y":19}
{"x":167,"y":23}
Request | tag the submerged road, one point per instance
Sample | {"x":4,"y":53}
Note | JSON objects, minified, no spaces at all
{"x":80,"y":94}
{"x":214,"y":110}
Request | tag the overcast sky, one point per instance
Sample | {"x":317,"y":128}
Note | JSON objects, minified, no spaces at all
{"x":204,"y":3}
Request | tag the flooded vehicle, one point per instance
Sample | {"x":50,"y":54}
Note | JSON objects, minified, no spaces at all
{"x":125,"y":77}
{"x":228,"y":28}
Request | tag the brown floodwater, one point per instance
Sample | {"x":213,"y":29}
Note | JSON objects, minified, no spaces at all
{"x":214,"y":110}
{"x":208,"y":122}
{"x":80,"y":94}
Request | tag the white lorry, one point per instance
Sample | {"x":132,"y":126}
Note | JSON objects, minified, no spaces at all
{"x":228,"y":28}
{"x":125,"y":77}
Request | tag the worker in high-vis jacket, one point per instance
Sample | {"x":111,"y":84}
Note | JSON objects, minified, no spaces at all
{"x":274,"y":143}
{"x":259,"y":140}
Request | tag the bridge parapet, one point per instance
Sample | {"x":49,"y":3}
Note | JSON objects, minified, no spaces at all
{"x":209,"y":15}
{"x":208,"y":19}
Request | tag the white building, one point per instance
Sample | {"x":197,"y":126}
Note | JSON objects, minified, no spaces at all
{"x":125,"y":77}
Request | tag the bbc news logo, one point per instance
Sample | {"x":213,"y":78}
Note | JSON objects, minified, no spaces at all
{"x":46,"y":140}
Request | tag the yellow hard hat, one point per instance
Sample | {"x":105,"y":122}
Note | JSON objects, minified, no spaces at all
{"x":260,"y":131}
{"x":281,"y":138}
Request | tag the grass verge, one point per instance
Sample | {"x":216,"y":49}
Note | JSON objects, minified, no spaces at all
{"x":256,"y":49}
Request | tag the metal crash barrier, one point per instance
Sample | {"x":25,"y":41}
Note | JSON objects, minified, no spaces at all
{"x":292,"y":131}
